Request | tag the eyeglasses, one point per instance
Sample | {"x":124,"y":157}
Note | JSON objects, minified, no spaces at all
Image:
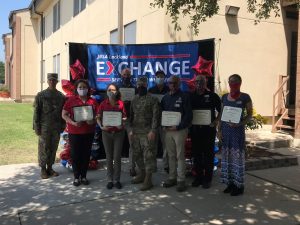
{"x":112,"y":90}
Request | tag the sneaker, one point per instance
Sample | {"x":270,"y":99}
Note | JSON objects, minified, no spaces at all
{"x":181,"y":186}
{"x":169,"y":183}
{"x":85,"y":181}
{"x":197,"y":182}
{"x":118,"y":185}
{"x":109,"y":185}
{"x":76,"y":182}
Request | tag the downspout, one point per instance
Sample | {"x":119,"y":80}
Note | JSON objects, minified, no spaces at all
{"x":42,"y":44}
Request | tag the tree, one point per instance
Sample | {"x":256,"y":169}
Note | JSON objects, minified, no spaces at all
{"x":200,"y":10}
{"x":2,"y":72}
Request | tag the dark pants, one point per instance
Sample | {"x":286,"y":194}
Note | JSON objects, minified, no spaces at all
{"x":81,"y":145}
{"x":203,"y":141}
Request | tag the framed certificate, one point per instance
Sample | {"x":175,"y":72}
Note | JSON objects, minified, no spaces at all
{"x":83,"y":113}
{"x":112,"y":119}
{"x":231,"y":114}
{"x":159,"y":97}
{"x":127,"y":94}
{"x":170,"y":118}
{"x":201,"y":117}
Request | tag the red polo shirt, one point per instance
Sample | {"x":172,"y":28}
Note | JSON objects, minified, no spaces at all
{"x":118,"y":107}
{"x":85,"y":128}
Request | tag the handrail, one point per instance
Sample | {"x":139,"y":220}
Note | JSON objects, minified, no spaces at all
{"x":280,"y":89}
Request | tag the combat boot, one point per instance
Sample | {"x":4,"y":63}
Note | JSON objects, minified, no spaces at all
{"x":51,"y":172}
{"x":181,"y":186}
{"x":139,"y":178}
{"x":44,"y":174}
{"x":147,"y":182}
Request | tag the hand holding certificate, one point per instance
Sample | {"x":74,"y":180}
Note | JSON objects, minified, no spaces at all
{"x":127,"y":94}
{"x":170,"y":118}
{"x":231,"y":114}
{"x":201,"y":117}
{"x":112,"y":119}
{"x":83,"y":113}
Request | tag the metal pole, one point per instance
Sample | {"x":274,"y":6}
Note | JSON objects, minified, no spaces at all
{"x":120,"y":22}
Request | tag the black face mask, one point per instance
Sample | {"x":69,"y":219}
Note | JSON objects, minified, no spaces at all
{"x":142,"y":91}
{"x":126,"y":80}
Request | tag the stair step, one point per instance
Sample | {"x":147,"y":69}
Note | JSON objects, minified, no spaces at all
{"x":291,"y":112}
{"x":285,"y":127}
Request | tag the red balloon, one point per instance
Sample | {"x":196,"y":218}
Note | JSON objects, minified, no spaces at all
{"x":77,"y":70}
{"x":203,"y":67}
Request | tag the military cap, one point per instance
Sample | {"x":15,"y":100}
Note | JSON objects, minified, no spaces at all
{"x":52,"y":76}
{"x":142,"y":80}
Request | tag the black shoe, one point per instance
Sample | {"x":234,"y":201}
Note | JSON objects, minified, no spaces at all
{"x":228,"y":189}
{"x":132,"y":172}
{"x":166,"y":169}
{"x":237,"y":191}
{"x":109,"y":185}
{"x":197,"y":182}
{"x":76,"y":182}
{"x":206,"y":185}
{"x":118,"y":185}
{"x":84,"y":181}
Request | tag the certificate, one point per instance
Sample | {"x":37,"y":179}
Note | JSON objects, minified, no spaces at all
{"x":112,"y":119}
{"x":201,"y":117}
{"x":170,"y":118}
{"x":231,"y":114}
{"x":127,"y":94}
{"x":83,"y":113}
{"x":159,"y":97}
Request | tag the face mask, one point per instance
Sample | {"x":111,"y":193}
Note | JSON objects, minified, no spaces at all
{"x":235,"y":90}
{"x":82,"y":92}
{"x":159,"y":81}
{"x":200,"y":85}
{"x":142,"y":90}
{"x":126,"y":80}
{"x":111,"y":94}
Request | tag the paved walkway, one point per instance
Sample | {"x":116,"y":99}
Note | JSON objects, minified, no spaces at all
{"x":271,"y":196}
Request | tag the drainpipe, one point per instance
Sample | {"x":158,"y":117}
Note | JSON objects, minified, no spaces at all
{"x":120,"y":22}
{"x":42,"y":44}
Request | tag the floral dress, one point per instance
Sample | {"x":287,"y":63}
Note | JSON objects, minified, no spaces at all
{"x":233,"y":145}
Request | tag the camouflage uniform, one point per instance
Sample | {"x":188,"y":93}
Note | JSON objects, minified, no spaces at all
{"x":144,"y":118}
{"x":48,"y":122}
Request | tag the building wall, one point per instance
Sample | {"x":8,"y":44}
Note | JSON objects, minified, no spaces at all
{"x":259,"y":53}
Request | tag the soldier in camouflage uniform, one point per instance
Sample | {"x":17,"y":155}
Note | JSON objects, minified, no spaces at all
{"x":144,"y":122}
{"x":48,"y":124}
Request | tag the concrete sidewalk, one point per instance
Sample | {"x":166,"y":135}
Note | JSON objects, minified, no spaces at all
{"x":271,"y":196}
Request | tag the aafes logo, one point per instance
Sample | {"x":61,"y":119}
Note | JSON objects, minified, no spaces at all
{"x":104,"y":65}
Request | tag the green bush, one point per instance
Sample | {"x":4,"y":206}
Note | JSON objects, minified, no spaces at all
{"x":256,"y":122}
{"x":4,"y":88}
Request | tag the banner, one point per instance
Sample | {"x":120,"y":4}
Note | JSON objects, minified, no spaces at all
{"x":105,"y":62}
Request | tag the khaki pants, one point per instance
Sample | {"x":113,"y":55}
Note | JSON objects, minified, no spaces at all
{"x":175,"y":145}
{"x":113,"y":143}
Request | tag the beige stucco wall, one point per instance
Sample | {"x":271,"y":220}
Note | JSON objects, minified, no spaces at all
{"x":259,"y":53}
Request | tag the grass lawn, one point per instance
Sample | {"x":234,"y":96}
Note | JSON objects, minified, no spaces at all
{"x":18,"y":142}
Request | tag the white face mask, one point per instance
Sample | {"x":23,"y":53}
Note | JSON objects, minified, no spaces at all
{"x":82,"y":92}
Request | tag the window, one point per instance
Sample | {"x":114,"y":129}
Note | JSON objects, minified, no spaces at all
{"x":56,"y":16}
{"x":43,"y":72}
{"x":79,"y":5}
{"x":114,"y":37}
{"x":56,"y":65}
{"x":130,"y":33}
